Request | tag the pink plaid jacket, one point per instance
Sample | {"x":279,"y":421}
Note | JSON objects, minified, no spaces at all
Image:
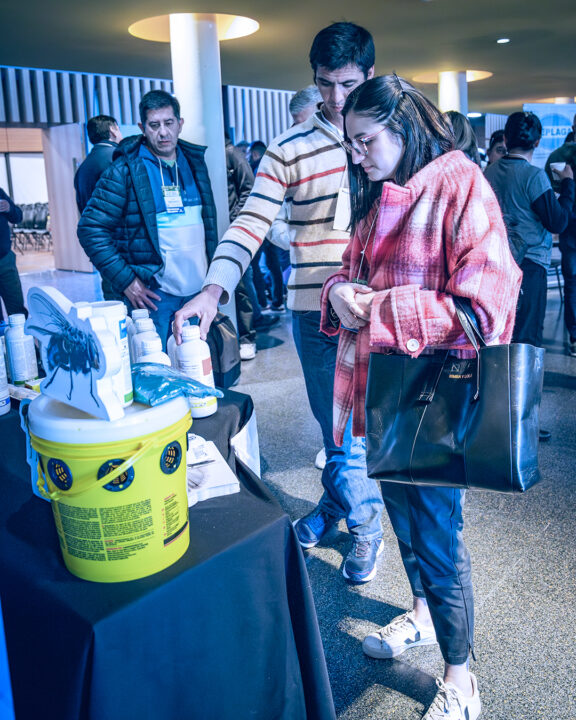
{"x":438,"y":236}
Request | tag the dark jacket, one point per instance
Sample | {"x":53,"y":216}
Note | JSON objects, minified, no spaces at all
{"x":14,"y":215}
{"x":89,"y":172}
{"x":118,"y":226}
{"x":240,"y":179}
{"x":565,"y":153}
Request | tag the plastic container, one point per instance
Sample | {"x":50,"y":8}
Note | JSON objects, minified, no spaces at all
{"x":152,"y":352}
{"x":4,"y":392}
{"x":118,"y":489}
{"x":193,"y":359}
{"x":137,"y":314}
{"x":171,"y":347}
{"x":145,"y":330}
{"x":20,"y":351}
{"x":114,"y":313}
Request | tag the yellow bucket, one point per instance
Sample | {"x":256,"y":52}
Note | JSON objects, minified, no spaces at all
{"x":118,"y":489}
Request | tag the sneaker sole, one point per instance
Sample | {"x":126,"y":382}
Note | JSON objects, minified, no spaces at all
{"x":307,"y":546}
{"x":380,"y":654}
{"x":360,"y":579}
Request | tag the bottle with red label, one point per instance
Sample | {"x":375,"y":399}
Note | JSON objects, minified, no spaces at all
{"x":193,"y":359}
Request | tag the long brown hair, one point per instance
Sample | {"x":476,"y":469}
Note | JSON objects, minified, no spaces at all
{"x":406,"y":112}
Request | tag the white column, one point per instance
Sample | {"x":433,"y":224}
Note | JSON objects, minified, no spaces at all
{"x":453,"y":91}
{"x":198,"y":86}
{"x":197,"y":80}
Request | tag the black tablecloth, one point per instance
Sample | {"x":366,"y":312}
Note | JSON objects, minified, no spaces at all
{"x":229,"y":631}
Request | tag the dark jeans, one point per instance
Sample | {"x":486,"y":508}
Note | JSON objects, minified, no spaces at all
{"x":10,"y":286}
{"x":428,"y":524}
{"x":247,"y":308}
{"x":273,"y":263}
{"x":569,"y":274}
{"x":529,"y":324}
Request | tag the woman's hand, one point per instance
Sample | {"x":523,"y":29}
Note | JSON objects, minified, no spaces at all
{"x":351,"y":302}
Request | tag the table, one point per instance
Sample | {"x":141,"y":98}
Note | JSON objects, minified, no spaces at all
{"x":228,"y":632}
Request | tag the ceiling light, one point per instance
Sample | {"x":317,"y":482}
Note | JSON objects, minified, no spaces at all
{"x":474,"y":115}
{"x":503,"y":41}
{"x":228,"y":27}
{"x":431,"y":76}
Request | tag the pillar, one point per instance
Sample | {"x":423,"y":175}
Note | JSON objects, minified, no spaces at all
{"x":197,"y":78}
{"x":198,"y":86}
{"x":453,"y":91}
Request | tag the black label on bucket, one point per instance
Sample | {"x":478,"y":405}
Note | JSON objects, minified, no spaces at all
{"x":120,"y":482}
{"x":60,"y":474}
{"x":171,"y":458}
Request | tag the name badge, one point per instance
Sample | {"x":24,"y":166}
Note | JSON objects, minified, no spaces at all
{"x":173,"y":199}
{"x":343,"y":210}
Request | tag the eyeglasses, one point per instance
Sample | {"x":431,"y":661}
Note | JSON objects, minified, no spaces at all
{"x":351,"y":145}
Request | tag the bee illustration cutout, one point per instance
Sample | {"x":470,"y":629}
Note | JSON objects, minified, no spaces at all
{"x":79,"y":354}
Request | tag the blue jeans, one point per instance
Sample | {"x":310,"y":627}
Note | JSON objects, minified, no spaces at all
{"x":568,"y":249}
{"x":348,"y":491}
{"x":167,"y":308}
{"x":428,"y":525}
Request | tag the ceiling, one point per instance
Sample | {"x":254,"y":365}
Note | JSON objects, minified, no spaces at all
{"x":412,"y":36}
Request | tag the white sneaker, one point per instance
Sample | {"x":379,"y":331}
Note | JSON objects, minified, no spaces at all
{"x":247,"y":351}
{"x":451,"y":704}
{"x":320,"y":461}
{"x":396,"y":637}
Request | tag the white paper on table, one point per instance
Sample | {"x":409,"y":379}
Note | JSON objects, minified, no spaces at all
{"x":208,"y":475}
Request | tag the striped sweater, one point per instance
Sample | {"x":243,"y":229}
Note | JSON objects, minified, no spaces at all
{"x":306,"y":166}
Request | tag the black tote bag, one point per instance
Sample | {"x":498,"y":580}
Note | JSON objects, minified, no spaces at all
{"x":439,"y":420}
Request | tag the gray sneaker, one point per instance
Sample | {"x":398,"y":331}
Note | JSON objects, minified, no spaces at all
{"x":396,"y":637}
{"x":451,"y":704}
{"x":360,"y":563}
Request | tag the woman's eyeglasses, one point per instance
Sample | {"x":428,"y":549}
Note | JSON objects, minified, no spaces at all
{"x":362,"y":149}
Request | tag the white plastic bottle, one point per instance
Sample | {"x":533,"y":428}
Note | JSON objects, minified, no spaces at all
{"x":151,"y":351}
{"x":193,"y":359}
{"x":145,"y":330}
{"x":114,"y":313}
{"x":137,"y":314}
{"x":21,"y":351}
{"x":4,"y":394}
{"x":171,"y":347}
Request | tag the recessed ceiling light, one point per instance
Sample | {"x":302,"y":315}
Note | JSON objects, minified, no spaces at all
{"x":474,"y":115}
{"x":502,"y":41}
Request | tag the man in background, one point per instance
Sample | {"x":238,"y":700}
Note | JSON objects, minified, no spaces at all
{"x":150,"y":226}
{"x":10,"y":286}
{"x":104,"y":134}
{"x":567,"y":240}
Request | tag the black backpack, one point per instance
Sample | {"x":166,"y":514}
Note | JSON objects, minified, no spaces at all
{"x":224,"y":350}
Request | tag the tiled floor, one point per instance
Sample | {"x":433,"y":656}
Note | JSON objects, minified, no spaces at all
{"x":523,"y":551}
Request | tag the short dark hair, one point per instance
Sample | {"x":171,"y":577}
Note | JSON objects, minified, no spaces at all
{"x":259,"y":146}
{"x":406,"y":112}
{"x":155,"y":100}
{"x":341,"y":44}
{"x":98,"y":128}
{"x":522,"y":131}
{"x":497,"y":138}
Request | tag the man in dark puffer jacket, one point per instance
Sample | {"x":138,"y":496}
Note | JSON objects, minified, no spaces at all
{"x":150,"y":226}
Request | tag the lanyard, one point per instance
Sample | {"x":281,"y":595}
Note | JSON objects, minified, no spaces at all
{"x":171,"y":193}
{"x":162,"y":176}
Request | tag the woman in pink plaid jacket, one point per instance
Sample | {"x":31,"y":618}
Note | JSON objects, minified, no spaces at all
{"x":431,"y":232}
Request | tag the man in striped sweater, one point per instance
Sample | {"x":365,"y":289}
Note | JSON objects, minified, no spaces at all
{"x":306,"y":166}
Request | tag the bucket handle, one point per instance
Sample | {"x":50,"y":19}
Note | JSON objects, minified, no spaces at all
{"x":126,"y":465}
